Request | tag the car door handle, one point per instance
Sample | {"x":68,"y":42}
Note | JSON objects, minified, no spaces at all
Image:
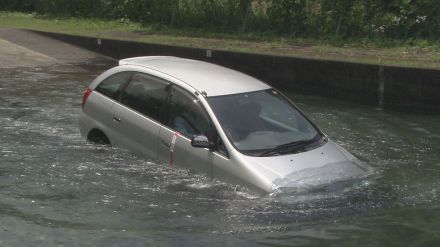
{"x":165,"y":143}
{"x":116,"y":119}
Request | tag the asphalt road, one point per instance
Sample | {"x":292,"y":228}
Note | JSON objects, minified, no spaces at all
{"x":21,"y":48}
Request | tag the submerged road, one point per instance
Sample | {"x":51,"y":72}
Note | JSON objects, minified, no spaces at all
{"x":21,"y":48}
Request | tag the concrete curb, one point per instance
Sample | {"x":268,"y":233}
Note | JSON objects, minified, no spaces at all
{"x":375,"y":85}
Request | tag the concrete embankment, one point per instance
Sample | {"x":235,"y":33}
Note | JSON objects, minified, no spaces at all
{"x":375,"y":85}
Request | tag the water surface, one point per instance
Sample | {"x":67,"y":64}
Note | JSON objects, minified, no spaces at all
{"x":57,"y":189}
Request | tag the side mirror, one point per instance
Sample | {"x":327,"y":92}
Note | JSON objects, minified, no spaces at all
{"x":200,"y":141}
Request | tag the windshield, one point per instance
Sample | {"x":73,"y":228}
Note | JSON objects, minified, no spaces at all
{"x":257,"y":122}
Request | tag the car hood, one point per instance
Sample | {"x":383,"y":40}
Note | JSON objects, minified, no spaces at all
{"x":326,"y":164}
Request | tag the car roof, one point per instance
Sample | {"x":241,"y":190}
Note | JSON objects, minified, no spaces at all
{"x":206,"y":77}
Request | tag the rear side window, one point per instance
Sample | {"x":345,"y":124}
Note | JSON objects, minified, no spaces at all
{"x":113,"y":84}
{"x":146,"y":95}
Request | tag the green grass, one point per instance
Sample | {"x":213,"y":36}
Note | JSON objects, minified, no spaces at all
{"x":411,"y":53}
{"x":88,"y":27}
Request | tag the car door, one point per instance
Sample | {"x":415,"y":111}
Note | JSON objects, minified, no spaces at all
{"x":137,"y":118}
{"x":100,"y":104}
{"x":185,"y":118}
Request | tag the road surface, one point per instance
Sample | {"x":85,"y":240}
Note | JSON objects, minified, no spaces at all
{"x":22,"y":48}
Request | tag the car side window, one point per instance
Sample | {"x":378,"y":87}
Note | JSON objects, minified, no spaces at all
{"x":112,"y":85}
{"x":186,"y":114}
{"x":188,"y":117}
{"x":146,"y":95}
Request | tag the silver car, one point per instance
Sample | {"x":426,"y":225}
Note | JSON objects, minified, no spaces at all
{"x":213,"y":120}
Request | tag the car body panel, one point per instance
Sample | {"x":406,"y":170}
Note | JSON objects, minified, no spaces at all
{"x":135,"y":131}
{"x":98,"y":106}
{"x":180,"y":152}
{"x":238,"y":171}
{"x":280,"y":168}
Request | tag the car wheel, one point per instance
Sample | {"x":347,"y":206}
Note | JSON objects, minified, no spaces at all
{"x":98,"y":137}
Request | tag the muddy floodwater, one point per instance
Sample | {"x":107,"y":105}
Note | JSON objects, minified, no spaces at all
{"x":56,"y":189}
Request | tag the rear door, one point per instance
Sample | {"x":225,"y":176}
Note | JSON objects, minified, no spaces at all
{"x":100,"y":104}
{"x":137,"y":118}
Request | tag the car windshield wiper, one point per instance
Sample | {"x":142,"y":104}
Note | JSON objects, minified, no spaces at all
{"x":285,"y":148}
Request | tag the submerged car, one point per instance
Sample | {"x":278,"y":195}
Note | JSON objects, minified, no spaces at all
{"x":213,"y":120}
